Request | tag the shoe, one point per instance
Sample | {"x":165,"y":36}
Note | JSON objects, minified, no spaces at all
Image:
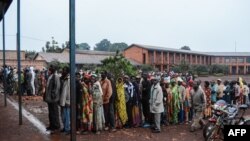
{"x":156,"y":131}
{"x":98,"y":133}
{"x":84,"y":132}
{"x":146,"y":125}
{"x":48,"y":128}
{"x":113,"y":130}
{"x":62,"y":130}
{"x":67,"y":133}
{"x":106,"y":128}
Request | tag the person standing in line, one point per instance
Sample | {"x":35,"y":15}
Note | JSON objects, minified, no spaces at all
{"x":207,"y":91}
{"x":112,"y":103}
{"x":120,"y":103}
{"x":220,"y":90}
{"x":156,"y":104}
{"x":245,"y":93}
{"x":99,"y":119}
{"x":32,"y":80}
{"x":145,"y":100}
{"x":79,"y":106}
{"x":107,"y":93}
{"x":181,"y":91}
{"x":52,"y":97}
{"x":65,"y":100}
{"x":175,"y":101}
{"x":129,"y":94}
{"x":214,"y":89}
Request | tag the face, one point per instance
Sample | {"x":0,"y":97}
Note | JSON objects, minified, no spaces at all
{"x":49,"y":72}
{"x":78,"y":77}
{"x":125,"y":79}
{"x":154,"y":81}
{"x":119,"y":80}
{"x":103,"y":76}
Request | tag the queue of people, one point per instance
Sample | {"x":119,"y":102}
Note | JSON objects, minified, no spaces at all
{"x":148,"y":100}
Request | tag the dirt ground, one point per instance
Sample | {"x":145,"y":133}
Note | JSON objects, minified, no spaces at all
{"x":11,"y":131}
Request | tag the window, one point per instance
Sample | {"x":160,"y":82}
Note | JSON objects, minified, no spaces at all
{"x":144,"y":58}
{"x":233,"y":60}
{"x":227,"y":60}
{"x":240,"y":60}
{"x":248,"y":59}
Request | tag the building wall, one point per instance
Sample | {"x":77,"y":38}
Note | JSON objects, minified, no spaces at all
{"x":25,"y":63}
{"x":136,"y":53}
{"x":12,"y":54}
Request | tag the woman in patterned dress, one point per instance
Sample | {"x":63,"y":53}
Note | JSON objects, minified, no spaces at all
{"x":207,"y":91}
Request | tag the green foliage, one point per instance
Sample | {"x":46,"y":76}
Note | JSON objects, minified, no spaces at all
{"x":117,"y":47}
{"x":185,"y":48}
{"x":215,"y":69}
{"x":118,"y":65}
{"x":103,"y":45}
{"x":52,"y":46}
{"x":30,"y":54}
{"x":59,"y":66}
{"x":106,"y":45}
{"x":147,"y":68}
{"x":182,"y":67}
{"x":83,"y":46}
{"x":201,"y":69}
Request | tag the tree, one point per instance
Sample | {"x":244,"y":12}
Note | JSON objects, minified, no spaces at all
{"x":59,"y":66}
{"x":185,"y":48}
{"x":104,"y":45}
{"x":83,"y":46}
{"x":30,"y":54}
{"x":52,"y":46}
{"x":118,"y":65}
{"x":147,"y":68}
{"x":117,"y":47}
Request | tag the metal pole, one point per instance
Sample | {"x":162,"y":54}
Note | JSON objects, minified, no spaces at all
{"x":19,"y":63}
{"x":4,"y":79}
{"x":72,"y":69}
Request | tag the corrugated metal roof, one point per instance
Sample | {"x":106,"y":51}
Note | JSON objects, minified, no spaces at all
{"x":81,"y":58}
{"x":168,"y":49}
{"x":191,"y":51}
{"x":229,"y":53}
{"x":78,"y":51}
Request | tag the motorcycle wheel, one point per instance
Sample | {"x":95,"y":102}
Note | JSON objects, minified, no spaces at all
{"x":214,"y":136}
{"x":247,"y":122}
{"x":206,"y":130}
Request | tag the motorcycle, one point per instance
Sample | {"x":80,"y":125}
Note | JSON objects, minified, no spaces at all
{"x":228,"y":116}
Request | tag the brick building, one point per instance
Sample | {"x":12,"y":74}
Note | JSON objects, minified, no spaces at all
{"x":164,"y":58}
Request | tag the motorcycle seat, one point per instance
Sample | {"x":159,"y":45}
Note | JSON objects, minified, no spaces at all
{"x":243,"y":107}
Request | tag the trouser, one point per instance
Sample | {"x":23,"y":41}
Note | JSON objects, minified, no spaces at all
{"x":191,"y":113}
{"x":33,"y":87}
{"x":53,"y":116}
{"x":197,"y":120}
{"x":181,"y":114}
{"x":145,"y":110}
{"x":66,"y":119}
{"x":109,"y":114}
{"x":129,"y":113}
{"x":157,"y":120}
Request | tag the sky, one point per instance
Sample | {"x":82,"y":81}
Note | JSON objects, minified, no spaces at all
{"x":203,"y":25}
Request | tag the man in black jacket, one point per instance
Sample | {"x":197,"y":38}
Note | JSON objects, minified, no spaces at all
{"x":52,"y":98}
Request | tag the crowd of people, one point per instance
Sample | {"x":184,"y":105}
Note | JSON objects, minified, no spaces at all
{"x":148,"y":100}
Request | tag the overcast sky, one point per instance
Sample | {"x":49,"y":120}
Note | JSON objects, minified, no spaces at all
{"x":204,"y":25}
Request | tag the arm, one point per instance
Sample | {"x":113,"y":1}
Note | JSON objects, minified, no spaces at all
{"x":159,"y":97}
{"x":109,"y":91}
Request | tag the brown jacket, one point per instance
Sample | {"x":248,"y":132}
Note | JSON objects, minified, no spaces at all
{"x":106,"y":89}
